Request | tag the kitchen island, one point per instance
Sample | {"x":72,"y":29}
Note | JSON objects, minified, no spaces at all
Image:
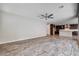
{"x":67,"y":32}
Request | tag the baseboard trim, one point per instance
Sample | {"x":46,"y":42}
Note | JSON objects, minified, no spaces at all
{"x":21,"y":39}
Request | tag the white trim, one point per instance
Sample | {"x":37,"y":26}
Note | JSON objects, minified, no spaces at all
{"x":21,"y":39}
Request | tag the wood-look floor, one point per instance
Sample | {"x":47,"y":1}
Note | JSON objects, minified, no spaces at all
{"x":14,"y":48}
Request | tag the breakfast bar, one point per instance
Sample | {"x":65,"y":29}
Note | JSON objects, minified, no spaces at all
{"x":67,"y":32}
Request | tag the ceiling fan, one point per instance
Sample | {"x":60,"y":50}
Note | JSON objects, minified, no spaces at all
{"x":47,"y":16}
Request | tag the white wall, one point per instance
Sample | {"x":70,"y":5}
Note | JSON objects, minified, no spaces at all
{"x":15,"y":27}
{"x":72,"y":21}
{"x":69,"y":21}
{"x":21,"y":21}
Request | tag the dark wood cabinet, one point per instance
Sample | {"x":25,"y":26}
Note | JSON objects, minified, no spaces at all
{"x":58,"y":27}
{"x":51,"y":29}
{"x":73,"y":26}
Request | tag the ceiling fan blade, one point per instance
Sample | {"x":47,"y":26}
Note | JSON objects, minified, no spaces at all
{"x":41,"y":18}
{"x":50,"y":15}
{"x":43,"y":15}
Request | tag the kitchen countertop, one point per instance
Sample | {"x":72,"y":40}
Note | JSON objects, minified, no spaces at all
{"x":70,"y":30}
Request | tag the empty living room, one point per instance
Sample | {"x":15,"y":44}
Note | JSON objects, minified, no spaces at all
{"x":39,"y":29}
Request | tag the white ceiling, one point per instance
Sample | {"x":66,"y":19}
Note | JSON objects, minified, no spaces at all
{"x":33,"y":10}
